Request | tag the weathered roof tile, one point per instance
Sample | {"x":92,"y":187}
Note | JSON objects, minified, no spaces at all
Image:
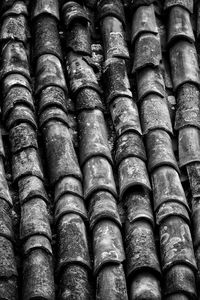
{"x":22,"y":136}
{"x":145,"y":285}
{"x":98,"y":175}
{"x":144,"y":21}
{"x":16,"y":95}
{"x":188,"y":146}
{"x":141,"y":253}
{"x":68,"y":204}
{"x":49,"y":72}
{"x":103,"y":206}
{"x":38,"y":264}
{"x":180,"y":279}
{"x":132,"y":172}
{"x":60,"y":152}
{"x":72,"y":11}
{"x":184,"y":65}
{"x":46,"y":37}
{"x":34,"y":219}
{"x":50,"y":7}
{"x":188,"y":110}
{"x":15,"y":60}
{"x":159,"y":150}
{"x":108,"y":8}
{"x":138,"y":206}
{"x":167,"y":187}
{"x":107,"y":245}
{"x":72,"y":242}
{"x":15,"y":28}
{"x":150,"y":81}
{"x":155,"y":114}
{"x":114,"y":38}
{"x":125,"y":116}
{"x":187,"y":4}
{"x":30,"y":187}
{"x":25,"y":163}
{"x":93,"y":136}
{"x":75,"y":282}
{"x":147,"y":52}
{"x":180,"y":27}
{"x":127,"y":145}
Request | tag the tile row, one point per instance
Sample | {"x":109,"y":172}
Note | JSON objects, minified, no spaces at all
{"x":170,"y":204}
{"x":185,"y":78}
{"x":73,"y":261}
{"x":95,"y":157}
{"x":18,"y":112}
{"x":142,"y":262}
{"x":8,"y":262}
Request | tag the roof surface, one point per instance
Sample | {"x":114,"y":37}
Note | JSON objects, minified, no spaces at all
{"x":100,"y":150}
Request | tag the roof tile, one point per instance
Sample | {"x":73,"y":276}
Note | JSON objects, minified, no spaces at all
{"x":132,"y":172}
{"x":49,"y":72}
{"x":50,"y":7}
{"x":188,"y":146}
{"x":30,"y":187}
{"x":46,"y":37}
{"x":144,"y":21}
{"x":141,"y":253}
{"x":114,"y":38}
{"x":125,"y":116}
{"x":72,"y":242}
{"x":93,"y":136}
{"x":75,"y":283}
{"x":184,"y":65}
{"x":37,"y":265}
{"x":187,"y":4}
{"x":15,"y":28}
{"x":180,"y":27}
{"x":15,"y":60}
{"x":180,"y":279}
{"x":150,"y":81}
{"x":21,"y":137}
{"x":60,"y":152}
{"x":34,"y":219}
{"x":111,"y":283}
{"x":103,"y":206}
{"x":147,"y":52}
{"x":145,"y":285}
{"x":167,"y":187}
{"x":187,"y":112}
{"x":16,"y":95}
{"x":159,"y":150}
{"x":98,"y":175}
{"x":155,"y":114}
{"x":128,"y":145}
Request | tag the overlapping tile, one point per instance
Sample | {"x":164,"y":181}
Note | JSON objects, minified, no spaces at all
{"x":133,"y":81}
{"x":8,"y":263}
{"x":97,"y":164}
{"x":187,"y":114}
{"x":73,"y":262}
{"x":134,"y":184}
{"x":20,"y":120}
{"x":170,"y":206}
